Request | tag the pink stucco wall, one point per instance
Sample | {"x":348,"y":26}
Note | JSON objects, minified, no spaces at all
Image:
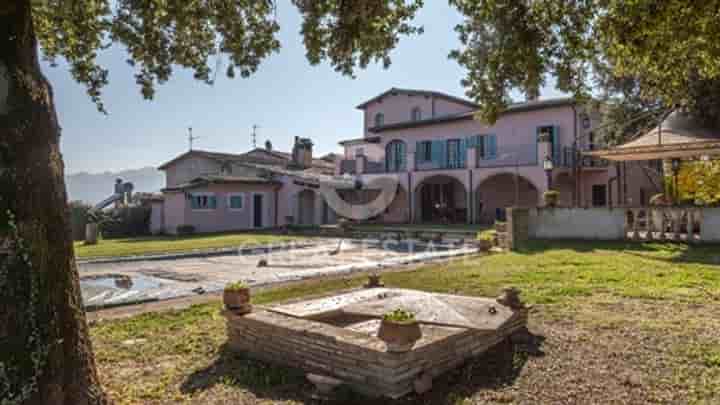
{"x":178,"y":211}
{"x":398,"y":108}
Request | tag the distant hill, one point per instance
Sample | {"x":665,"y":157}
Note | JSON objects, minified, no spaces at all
{"x":94,"y":187}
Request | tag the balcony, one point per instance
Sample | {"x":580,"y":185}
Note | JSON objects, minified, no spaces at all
{"x":508,"y":156}
{"x":586,"y":162}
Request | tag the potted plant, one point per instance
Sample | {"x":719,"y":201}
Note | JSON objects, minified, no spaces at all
{"x":551,"y":198}
{"x":486,"y":240}
{"x":399,"y":330}
{"x":236,"y":297}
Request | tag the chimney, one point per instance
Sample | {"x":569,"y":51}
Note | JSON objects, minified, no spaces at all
{"x":268,"y":145}
{"x":302,"y":153}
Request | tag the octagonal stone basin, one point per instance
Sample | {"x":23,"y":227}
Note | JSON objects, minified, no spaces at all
{"x":336,"y":337}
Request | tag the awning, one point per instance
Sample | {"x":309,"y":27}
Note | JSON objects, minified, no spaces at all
{"x":677,"y":137}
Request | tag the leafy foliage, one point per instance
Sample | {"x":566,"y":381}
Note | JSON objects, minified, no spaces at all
{"x":161,"y":34}
{"x":699,"y":183}
{"x":399,"y":315}
{"x":666,"y":49}
{"x":237,"y":286}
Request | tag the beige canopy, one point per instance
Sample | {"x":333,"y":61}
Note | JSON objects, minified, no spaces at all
{"x":677,"y":137}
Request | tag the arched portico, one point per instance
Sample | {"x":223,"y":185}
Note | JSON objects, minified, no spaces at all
{"x":496,"y":193}
{"x":440,"y":198}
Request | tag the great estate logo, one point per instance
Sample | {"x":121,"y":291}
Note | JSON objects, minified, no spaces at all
{"x":386,"y":185}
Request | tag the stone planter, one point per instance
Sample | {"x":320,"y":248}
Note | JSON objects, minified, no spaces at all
{"x":91,"y":233}
{"x":399,"y":337}
{"x":237,"y":300}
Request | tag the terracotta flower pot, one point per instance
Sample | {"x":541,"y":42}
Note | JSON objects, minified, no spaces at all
{"x":399,"y":337}
{"x":237,"y":300}
{"x":484,"y":245}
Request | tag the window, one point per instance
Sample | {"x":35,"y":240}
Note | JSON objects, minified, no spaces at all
{"x":416,"y":114}
{"x":599,"y":195}
{"x":591,"y":140}
{"x":203,"y":202}
{"x":453,"y":153}
{"x":395,"y":156}
{"x":236,"y":201}
{"x":379,"y":119}
{"x":481,"y":149}
{"x":425,"y":151}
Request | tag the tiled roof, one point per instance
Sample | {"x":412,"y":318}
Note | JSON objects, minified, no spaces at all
{"x":220,"y":179}
{"x":232,"y":157}
{"x":413,"y":92}
{"x":511,"y":109}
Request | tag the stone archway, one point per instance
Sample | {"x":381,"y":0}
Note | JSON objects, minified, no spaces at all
{"x":441,"y":199}
{"x":306,"y":207}
{"x":501,"y":191}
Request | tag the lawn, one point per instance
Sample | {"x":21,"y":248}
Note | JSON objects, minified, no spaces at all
{"x":615,"y":323}
{"x":171,"y":244}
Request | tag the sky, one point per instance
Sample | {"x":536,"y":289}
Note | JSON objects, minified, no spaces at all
{"x":286,"y":98}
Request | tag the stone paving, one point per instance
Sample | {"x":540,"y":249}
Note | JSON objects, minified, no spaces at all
{"x":106,"y":284}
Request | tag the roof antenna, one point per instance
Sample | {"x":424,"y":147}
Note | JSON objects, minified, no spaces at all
{"x":191,"y":138}
{"x":254,"y":135}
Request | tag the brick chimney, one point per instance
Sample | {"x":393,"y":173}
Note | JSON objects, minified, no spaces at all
{"x":302,"y":153}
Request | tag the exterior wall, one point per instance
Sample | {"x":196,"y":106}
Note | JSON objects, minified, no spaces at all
{"x":577,"y":223}
{"x":157,"y":217}
{"x":185,"y":170}
{"x":710,"y":229}
{"x":178,"y":211}
{"x":398,"y":108}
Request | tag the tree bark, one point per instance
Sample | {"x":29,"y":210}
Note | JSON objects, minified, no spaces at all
{"x":45,"y":351}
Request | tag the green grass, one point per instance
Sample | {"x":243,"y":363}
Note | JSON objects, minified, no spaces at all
{"x":172,"y":244}
{"x":592,"y":300}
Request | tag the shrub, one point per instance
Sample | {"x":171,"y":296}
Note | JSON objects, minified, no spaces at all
{"x":399,"y":316}
{"x":488,"y":235}
{"x":185,"y":229}
{"x":125,"y":222}
{"x":236,"y":286}
{"x":551,"y":198}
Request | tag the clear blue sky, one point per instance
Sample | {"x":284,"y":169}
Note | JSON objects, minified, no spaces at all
{"x":287,"y":97}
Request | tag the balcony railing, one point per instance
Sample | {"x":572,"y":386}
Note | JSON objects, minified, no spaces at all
{"x":510,"y":155}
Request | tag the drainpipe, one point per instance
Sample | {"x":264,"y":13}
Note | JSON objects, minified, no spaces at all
{"x":610,"y":192}
{"x":576,"y":157}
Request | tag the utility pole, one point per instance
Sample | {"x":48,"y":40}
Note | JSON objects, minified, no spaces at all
{"x":254,"y":135}
{"x":191,"y":138}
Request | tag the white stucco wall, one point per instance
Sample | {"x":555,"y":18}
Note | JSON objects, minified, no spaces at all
{"x":577,"y":223}
{"x":710,"y":226}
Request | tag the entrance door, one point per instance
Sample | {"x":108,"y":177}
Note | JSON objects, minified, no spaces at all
{"x":257,"y":211}
{"x":599,"y":195}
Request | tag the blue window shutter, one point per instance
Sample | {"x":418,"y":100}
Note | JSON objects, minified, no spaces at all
{"x":212,"y":200}
{"x":403,"y":156}
{"x":463,"y":153}
{"x":193,"y":202}
{"x":443,"y":154}
{"x":492,"y":147}
{"x":556,"y":145}
{"x":435,"y":152}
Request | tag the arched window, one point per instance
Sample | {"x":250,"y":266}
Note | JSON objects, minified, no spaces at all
{"x":395,"y":156}
{"x":379,"y":119}
{"x":416,"y":114}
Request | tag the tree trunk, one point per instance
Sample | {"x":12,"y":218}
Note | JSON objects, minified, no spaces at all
{"x":45,"y":350}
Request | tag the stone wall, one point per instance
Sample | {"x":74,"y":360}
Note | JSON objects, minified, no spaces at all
{"x":608,"y":224}
{"x":359,"y":359}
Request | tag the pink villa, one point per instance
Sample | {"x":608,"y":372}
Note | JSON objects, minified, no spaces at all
{"x":450,"y":167}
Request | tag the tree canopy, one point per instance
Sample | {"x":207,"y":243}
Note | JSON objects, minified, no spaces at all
{"x":669,"y":49}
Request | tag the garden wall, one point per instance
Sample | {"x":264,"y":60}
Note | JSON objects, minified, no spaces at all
{"x":577,"y":223}
{"x":710,"y":229}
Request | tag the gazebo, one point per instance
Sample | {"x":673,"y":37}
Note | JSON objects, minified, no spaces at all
{"x":678,"y":137}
